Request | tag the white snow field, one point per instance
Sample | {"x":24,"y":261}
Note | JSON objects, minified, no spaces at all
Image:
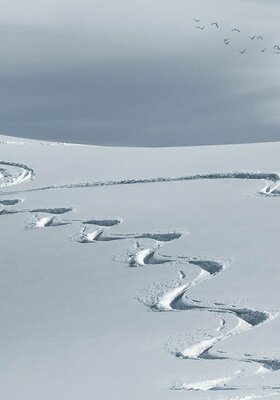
{"x":139,"y":273}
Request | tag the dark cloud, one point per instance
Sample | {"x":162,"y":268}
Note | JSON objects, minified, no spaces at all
{"x":159,"y":87}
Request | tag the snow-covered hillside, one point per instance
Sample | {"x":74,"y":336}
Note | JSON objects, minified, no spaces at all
{"x":139,"y":273}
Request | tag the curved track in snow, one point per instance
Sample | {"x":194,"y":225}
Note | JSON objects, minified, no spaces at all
{"x":233,"y":319}
{"x":176,"y":298}
{"x":12,"y":173}
{"x":270,"y":189}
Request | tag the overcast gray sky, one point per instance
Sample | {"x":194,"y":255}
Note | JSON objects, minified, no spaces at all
{"x":125,"y":72}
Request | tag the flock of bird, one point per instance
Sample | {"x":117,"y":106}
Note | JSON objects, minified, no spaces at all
{"x":258,"y":38}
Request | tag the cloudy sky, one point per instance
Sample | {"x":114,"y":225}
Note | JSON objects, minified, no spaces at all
{"x":139,"y":72}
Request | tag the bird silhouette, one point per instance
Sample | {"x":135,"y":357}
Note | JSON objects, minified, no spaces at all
{"x":275,"y":49}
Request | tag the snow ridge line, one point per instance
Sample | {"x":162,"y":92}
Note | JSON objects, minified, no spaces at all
{"x":269,"y":189}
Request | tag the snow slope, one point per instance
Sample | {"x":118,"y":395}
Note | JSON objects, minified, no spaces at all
{"x":139,"y":273}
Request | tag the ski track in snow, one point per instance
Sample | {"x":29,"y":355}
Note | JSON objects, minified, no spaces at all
{"x":100,"y":235}
{"x":175,"y":298}
{"x":10,"y":202}
{"x":12,"y":173}
{"x":269,"y":189}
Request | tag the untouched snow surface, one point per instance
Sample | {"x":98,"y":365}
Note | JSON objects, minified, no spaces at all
{"x":139,"y":273}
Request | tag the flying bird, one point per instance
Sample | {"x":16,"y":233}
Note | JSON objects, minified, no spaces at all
{"x":259,"y":38}
{"x":276,"y":48}
{"x":201,"y":27}
{"x":196,"y":20}
{"x":263,"y":50}
{"x":215,"y":24}
{"x":242,"y":51}
{"x":252,"y":37}
{"x":226,"y":41}
{"x":235,"y":30}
